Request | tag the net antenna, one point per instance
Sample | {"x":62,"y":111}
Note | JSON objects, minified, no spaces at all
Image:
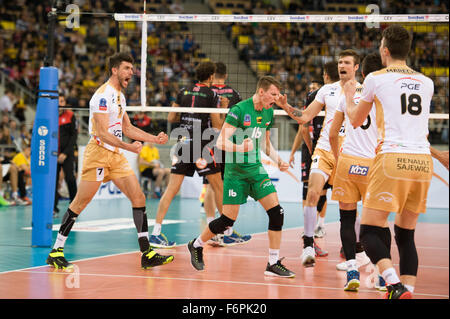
{"x":143,"y":60}
{"x":368,"y":19}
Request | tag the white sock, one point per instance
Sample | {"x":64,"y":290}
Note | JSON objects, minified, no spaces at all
{"x":309,"y":217}
{"x":357,"y":227}
{"x":390,"y":276}
{"x":351,"y":265}
{"x":409,"y":287}
{"x":321,"y":221}
{"x":156,"y":229}
{"x":274,"y":255}
{"x":228,"y":232}
{"x":60,"y":241}
{"x":198,"y":242}
{"x":145,"y":234}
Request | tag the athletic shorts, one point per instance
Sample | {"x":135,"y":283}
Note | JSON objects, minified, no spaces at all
{"x":236,"y":190}
{"x":103,"y":165}
{"x":351,"y":178}
{"x":323,"y":162}
{"x":204,"y":163}
{"x":398,"y":182}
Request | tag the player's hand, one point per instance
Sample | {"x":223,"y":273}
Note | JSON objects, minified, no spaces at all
{"x":161,"y":138}
{"x":281,"y":101}
{"x":246,"y":146}
{"x":61,"y":158}
{"x":350,"y":88}
{"x":292,"y":160}
{"x":135,"y":147}
{"x":282,"y":165}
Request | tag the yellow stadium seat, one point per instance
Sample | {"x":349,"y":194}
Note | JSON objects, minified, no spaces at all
{"x":264,"y":66}
{"x":129,"y":25}
{"x":112,"y":42}
{"x":243,"y":40}
{"x":434,"y":71}
{"x":82,"y":30}
{"x":225,"y":11}
{"x":8,"y":25}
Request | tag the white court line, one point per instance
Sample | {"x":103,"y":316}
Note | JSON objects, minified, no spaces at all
{"x":224,"y":282}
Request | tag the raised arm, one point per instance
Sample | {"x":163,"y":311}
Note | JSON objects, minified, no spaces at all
{"x":357,"y":113}
{"x":298,"y":115}
{"x":136,"y":133}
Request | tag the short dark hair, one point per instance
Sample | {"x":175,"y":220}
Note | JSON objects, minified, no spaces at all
{"x":398,"y":41}
{"x":266,"y":81}
{"x":205,"y":70}
{"x":350,"y":52}
{"x":116,"y":59}
{"x":331,"y":69}
{"x":371,"y":63}
{"x":221,"y":70}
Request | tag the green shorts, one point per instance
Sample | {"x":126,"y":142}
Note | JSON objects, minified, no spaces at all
{"x":236,"y":191}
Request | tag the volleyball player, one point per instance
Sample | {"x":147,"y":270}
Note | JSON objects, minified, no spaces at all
{"x":402,"y":169}
{"x":231,"y":96}
{"x":323,"y":162}
{"x":103,"y":160}
{"x":352,"y":171}
{"x":246,"y":130}
{"x":195,"y":147}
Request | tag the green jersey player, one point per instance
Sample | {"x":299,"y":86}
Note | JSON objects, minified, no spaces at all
{"x":245,"y":132}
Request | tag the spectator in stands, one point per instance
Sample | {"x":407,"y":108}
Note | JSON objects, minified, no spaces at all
{"x":141,"y":120}
{"x":9,"y":149}
{"x":21,"y":161}
{"x":151,"y":167}
{"x":176,"y":7}
{"x":7,"y":101}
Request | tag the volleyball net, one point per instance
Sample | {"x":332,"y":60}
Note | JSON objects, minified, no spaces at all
{"x":293,"y":48}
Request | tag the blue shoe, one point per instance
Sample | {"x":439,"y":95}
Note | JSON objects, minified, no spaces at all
{"x":352,"y":281}
{"x":235,"y":238}
{"x":380,"y":285}
{"x":160,"y":241}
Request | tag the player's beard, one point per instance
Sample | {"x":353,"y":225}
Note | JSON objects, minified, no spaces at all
{"x":123,"y":81}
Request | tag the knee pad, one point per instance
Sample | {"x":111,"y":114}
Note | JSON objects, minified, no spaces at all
{"x":409,"y":261}
{"x":219,"y":225}
{"x":321,"y":203}
{"x":376,"y":242}
{"x":276,"y":218}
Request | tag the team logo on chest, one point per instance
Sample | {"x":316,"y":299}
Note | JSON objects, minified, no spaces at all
{"x":247,"y":120}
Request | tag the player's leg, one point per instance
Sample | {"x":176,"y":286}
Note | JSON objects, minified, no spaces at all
{"x":86,"y":191}
{"x":129,"y":185}
{"x":319,"y":231}
{"x":276,"y":219}
{"x":217,"y":226}
{"x":404,"y":228}
{"x":157,"y":238}
{"x":315,"y":185}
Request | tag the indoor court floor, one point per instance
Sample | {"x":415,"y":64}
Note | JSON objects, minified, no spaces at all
{"x":103,"y":246}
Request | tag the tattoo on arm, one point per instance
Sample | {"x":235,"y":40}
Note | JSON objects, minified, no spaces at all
{"x":297,"y":112}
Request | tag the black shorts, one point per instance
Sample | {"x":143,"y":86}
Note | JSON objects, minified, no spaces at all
{"x":193,"y":161}
{"x":148,"y":172}
{"x":222,"y":173}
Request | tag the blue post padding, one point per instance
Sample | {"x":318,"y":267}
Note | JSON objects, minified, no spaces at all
{"x":44,"y":153}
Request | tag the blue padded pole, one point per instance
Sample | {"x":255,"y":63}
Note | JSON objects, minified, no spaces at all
{"x":44,"y":152}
